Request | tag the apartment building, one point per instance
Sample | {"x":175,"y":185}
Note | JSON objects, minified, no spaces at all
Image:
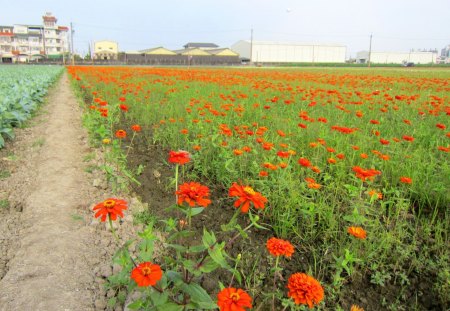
{"x":25,"y":43}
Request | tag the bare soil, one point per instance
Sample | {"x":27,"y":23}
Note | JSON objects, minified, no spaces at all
{"x":53,"y":254}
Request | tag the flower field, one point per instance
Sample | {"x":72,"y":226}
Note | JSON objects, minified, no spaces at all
{"x":22,"y":89}
{"x":346,"y":170}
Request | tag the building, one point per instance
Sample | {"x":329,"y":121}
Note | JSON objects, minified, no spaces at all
{"x":289,"y":52}
{"x":25,"y":43}
{"x":396,"y":57}
{"x":106,"y":50}
{"x":192,"y":54}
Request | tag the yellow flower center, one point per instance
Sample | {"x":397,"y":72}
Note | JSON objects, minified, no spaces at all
{"x":146,"y":270}
{"x":249,"y":190}
{"x":109,"y":203}
{"x":235,"y":296}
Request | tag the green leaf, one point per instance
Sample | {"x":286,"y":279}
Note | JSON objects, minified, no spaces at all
{"x":216,"y":254}
{"x":170,"y":306}
{"x":135,"y":305}
{"x":198,"y":295}
{"x":174,"y":277}
{"x":208,"y":266}
{"x":159,"y":299}
{"x":209,"y":239}
{"x":177,"y":247}
{"x":193,"y":210}
{"x":196,"y":249}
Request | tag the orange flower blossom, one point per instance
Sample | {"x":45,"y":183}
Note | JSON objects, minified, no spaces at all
{"x":232,"y":299}
{"x":179,"y":157}
{"x":111,"y":208}
{"x":246,"y":195}
{"x":357,"y":232}
{"x":193,"y":194}
{"x":146,"y":274}
{"x":305,"y":289}
{"x":279,"y":247}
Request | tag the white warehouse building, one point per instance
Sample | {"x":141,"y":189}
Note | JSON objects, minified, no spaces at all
{"x":287,"y":52}
{"x":397,"y":57}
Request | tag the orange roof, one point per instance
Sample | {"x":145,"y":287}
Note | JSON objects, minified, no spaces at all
{"x":6,"y":34}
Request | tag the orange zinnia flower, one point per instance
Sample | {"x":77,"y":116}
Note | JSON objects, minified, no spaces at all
{"x":179,"y":157}
{"x":238,"y":152}
{"x":405,"y":180}
{"x":232,"y":299}
{"x":146,"y":274}
{"x":356,"y":308}
{"x":121,"y":134}
{"x":279,"y":247}
{"x":194,"y":194}
{"x":246,"y":195}
{"x":313,"y":185}
{"x":263,"y":174}
{"x":357,"y":232}
{"x":305,"y":289}
{"x":111,"y":208}
{"x":136,"y":128}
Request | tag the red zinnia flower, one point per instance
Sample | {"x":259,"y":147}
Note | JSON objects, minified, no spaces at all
{"x":232,"y":299}
{"x":121,"y":134}
{"x":146,"y":274}
{"x":408,"y":138}
{"x":111,"y":208}
{"x":440,"y":126}
{"x":357,"y":232}
{"x":364,"y":174}
{"x":123,"y":107}
{"x":193,"y":194}
{"x":179,"y":157}
{"x":279,"y":247}
{"x":304,"y":162}
{"x":283,"y":154}
{"x":136,"y":128}
{"x":246,"y":195}
{"x":305,"y":289}
{"x":405,"y":180}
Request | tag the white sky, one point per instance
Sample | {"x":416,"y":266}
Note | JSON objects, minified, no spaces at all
{"x":396,"y":25}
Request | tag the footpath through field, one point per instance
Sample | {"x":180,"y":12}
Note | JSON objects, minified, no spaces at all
{"x":52,"y":266}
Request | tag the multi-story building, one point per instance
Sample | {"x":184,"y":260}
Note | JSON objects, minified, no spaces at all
{"x":24,"y":43}
{"x":106,"y":50}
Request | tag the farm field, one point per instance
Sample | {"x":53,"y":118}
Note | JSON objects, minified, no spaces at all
{"x":22,"y":90}
{"x":350,"y":166}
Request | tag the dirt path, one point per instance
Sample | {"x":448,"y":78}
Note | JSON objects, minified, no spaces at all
{"x":53,"y":256}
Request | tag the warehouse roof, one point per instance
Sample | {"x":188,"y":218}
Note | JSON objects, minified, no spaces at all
{"x":292,"y":43}
{"x":200,"y":45}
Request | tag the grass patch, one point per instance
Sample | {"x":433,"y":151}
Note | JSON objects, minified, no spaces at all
{"x":4,"y":204}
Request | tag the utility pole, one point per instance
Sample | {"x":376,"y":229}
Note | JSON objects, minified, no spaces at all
{"x":370,"y":51}
{"x":251,"y":44}
{"x":71,"y":43}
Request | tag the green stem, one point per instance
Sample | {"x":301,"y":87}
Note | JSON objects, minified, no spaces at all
{"x":275,"y":281}
{"x":131,"y":143}
{"x":176,"y":183}
{"x":112,"y":229}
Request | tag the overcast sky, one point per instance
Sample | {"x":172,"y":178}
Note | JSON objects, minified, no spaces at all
{"x":396,"y":25}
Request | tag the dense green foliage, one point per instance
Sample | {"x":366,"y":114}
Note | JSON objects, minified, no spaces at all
{"x":22,"y":90}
